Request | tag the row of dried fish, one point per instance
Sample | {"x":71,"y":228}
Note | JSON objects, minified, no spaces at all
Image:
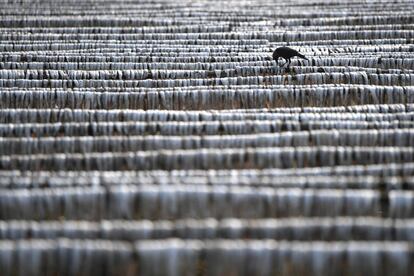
{"x":70,"y":144}
{"x":232,"y":57}
{"x":357,"y":113}
{"x":173,"y":257}
{"x":61,"y":81}
{"x":373,"y":65}
{"x":170,"y":202}
{"x":257,"y":158}
{"x":202,"y":46}
{"x":315,"y":47}
{"x":384,"y":62}
{"x":306,"y":177}
{"x":379,"y":112}
{"x":191,"y":128}
{"x":223,"y":27}
{"x":203,"y":98}
{"x":269,"y":35}
{"x":280,"y":15}
{"x":299,"y":229}
{"x":155,"y":74}
{"x":84,"y":179}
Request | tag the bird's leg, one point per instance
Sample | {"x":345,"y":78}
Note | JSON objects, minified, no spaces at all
{"x":278,"y":62}
{"x":288,"y":63}
{"x":284,"y":63}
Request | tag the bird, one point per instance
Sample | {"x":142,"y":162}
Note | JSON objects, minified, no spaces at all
{"x":286,"y":53}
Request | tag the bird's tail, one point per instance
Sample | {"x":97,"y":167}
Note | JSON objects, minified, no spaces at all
{"x":302,"y":56}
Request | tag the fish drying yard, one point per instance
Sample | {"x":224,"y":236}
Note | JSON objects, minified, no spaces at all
{"x":161,"y":138}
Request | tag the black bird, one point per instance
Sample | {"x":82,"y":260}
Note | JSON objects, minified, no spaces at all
{"x":286,"y":53}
